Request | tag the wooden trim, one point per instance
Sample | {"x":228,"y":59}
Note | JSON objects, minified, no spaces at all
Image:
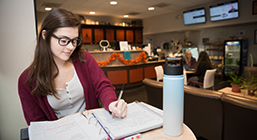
{"x":117,"y":77}
{"x":149,"y":72}
{"x":135,"y":75}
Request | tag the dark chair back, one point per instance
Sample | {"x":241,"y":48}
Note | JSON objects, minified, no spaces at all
{"x":240,"y":115}
{"x":154,"y":91}
{"x":249,"y":72}
{"x":203,"y":112}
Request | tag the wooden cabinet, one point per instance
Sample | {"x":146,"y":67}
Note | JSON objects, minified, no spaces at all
{"x":109,"y":33}
{"x":138,"y":36}
{"x":87,"y":35}
{"x":99,"y":35}
{"x":93,"y":34}
{"x":130,"y":36}
{"x":120,"y":35}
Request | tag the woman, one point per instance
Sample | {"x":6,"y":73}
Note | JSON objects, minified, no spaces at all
{"x":63,"y":79}
{"x":189,"y":60}
{"x":203,"y":64}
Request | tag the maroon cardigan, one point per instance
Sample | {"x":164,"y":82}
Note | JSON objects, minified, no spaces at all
{"x":95,"y":85}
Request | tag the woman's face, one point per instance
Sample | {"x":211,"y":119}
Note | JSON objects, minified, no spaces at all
{"x":189,"y":55}
{"x":63,"y":53}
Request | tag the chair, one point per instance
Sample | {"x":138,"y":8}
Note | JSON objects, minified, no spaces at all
{"x":203,"y":112}
{"x":239,"y":117}
{"x":24,"y":135}
{"x":208,"y":80}
{"x":159,"y":73}
{"x":154,"y":90}
{"x":185,"y":77}
{"x":249,"y":71}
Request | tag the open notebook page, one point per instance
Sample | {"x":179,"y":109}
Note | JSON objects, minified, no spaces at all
{"x":74,"y":127}
{"x":138,"y":119}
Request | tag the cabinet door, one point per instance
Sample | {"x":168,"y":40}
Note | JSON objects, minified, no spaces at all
{"x":87,"y":35}
{"x":99,"y":35}
{"x":130,"y":36}
{"x":138,"y":36}
{"x":120,"y":34}
{"x":109,"y":34}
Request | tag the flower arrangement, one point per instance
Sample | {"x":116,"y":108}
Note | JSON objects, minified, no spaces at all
{"x":250,"y":84}
{"x":142,"y":57}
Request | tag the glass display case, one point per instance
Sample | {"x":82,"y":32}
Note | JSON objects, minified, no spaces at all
{"x":235,"y":56}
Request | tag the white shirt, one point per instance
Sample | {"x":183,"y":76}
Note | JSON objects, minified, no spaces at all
{"x":71,"y":100}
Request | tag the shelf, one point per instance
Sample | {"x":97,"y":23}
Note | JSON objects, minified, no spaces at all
{"x":232,"y":51}
{"x":214,"y":44}
{"x":219,"y":50}
{"x":231,"y":65}
{"x":216,"y":59}
{"x":93,"y":34}
{"x":231,"y":57}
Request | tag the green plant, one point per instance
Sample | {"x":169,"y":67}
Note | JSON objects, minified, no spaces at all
{"x":235,"y":79}
{"x":249,"y":83}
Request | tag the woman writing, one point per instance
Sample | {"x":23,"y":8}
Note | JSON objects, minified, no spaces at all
{"x":63,"y":79}
{"x":203,"y":64}
{"x":189,"y":60}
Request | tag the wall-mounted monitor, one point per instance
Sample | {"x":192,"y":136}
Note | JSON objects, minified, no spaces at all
{"x":222,"y":11}
{"x":194,"y":16}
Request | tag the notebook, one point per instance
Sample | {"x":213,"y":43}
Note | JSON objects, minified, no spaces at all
{"x":98,"y":125}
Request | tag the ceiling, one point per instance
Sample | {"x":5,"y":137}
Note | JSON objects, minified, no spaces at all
{"x":136,"y":9}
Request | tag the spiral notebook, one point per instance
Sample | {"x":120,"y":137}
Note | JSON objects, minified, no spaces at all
{"x":99,"y":125}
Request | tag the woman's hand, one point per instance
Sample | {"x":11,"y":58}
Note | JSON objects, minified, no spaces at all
{"x":118,"y":108}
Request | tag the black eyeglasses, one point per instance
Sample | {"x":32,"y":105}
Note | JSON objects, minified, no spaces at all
{"x":64,"y":41}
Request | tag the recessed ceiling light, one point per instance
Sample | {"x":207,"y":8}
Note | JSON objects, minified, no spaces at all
{"x":113,"y":2}
{"x":126,"y":16}
{"x":92,"y":13}
{"x":48,"y":8}
{"x":150,"y":8}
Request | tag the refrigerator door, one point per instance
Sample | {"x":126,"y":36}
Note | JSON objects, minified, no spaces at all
{"x":232,"y":57}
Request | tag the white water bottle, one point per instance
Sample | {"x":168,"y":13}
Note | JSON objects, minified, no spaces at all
{"x":173,"y":97}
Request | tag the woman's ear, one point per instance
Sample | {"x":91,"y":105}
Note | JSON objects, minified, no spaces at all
{"x":44,"y":34}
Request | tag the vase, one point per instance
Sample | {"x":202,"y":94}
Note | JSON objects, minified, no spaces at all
{"x":236,"y":88}
{"x":251,"y":92}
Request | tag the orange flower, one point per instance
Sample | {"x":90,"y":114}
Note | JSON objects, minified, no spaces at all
{"x":114,"y":55}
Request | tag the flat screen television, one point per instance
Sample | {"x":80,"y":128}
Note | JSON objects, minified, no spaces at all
{"x":194,"y":16}
{"x":223,"y":11}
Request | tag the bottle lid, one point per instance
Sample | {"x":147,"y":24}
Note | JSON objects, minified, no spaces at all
{"x":173,"y":66}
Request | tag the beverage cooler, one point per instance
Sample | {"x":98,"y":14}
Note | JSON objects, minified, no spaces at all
{"x":235,"y":56}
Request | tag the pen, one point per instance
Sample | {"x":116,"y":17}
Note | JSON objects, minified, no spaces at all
{"x":121,"y":92}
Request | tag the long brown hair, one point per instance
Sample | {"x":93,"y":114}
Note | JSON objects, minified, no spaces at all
{"x":203,"y":57}
{"x":186,"y":54}
{"x":41,"y":70}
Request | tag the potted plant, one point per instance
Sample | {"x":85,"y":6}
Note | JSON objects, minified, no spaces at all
{"x":235,"y":82}
{"x":250,"y":84}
